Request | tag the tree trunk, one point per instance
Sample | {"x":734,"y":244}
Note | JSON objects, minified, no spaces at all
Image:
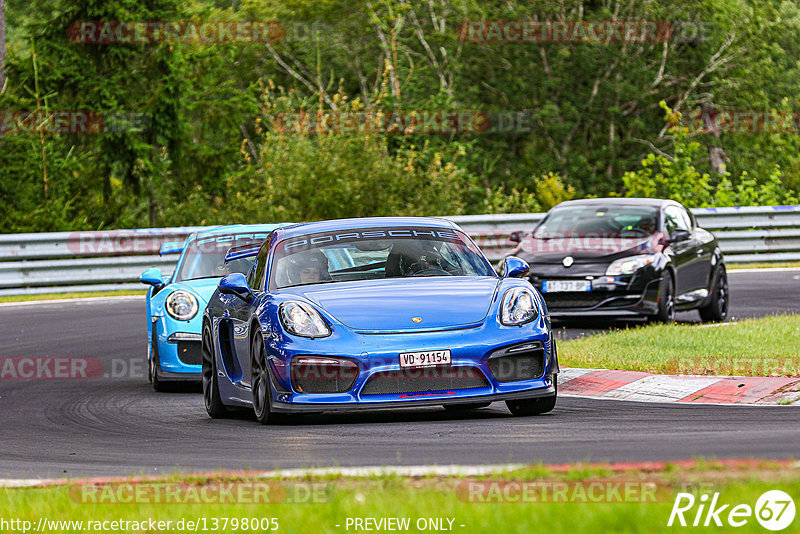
{"x":2,"y":45}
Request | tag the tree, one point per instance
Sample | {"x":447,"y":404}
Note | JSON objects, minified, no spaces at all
{"x":2,"y":45}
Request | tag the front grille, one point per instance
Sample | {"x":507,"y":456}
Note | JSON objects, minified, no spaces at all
{"x":190,"y":352}
{"x":423,"y":379}
{"x":573,"y":300}
{"x":588,"y":300}
{"x":521,"y":362}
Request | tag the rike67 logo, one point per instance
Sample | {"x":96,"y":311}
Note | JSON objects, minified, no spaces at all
{"x":774,"y":510}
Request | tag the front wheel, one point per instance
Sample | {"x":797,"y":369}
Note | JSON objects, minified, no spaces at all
{"x":717,"y":308}
{"x":666,"y":301}
{"x":262,"y":391}
{"x":152,"y":370}
{"x":537,"y":406}
{"x":213,"y":402}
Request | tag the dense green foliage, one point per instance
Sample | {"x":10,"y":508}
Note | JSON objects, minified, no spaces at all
{"x":589,"y":119}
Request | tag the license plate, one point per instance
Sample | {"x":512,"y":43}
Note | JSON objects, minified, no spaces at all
{"x":554,"y":286}
{"x":425,"y":358}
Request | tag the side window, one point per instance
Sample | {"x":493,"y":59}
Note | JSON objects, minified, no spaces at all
{"x":686,"y":219}
{"x":256,"y":278}
{"x":677,"y":218}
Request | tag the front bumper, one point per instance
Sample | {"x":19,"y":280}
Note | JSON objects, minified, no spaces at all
{"x":635,"y":294}
{"x":470,"y":348}
{"x":377,"y":355}
{"x":297,"y":407}
{"x":178,"y":348}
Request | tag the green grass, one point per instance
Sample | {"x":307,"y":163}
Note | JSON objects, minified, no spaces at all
{"x":435,"y":497}
{"x":61,"y":296}
{"x":769,"y":346}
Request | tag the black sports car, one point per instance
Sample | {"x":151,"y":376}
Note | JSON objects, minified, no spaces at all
{"x":614,"y":256}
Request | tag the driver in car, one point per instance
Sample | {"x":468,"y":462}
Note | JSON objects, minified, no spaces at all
{"x":648,"y":224}
{"x":309,"y":268}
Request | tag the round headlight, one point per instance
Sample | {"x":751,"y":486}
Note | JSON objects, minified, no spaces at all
{"x":181,"y":305}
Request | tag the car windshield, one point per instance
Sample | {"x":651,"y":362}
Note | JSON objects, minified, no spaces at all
{"x":599,"y":221}
{"x":205,"y":256}
{"x":375,"y":253}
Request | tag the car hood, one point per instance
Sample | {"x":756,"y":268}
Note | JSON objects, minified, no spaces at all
{"x":585,"y":249}
{"x":390,"y":305}
{"x":202,"y":287}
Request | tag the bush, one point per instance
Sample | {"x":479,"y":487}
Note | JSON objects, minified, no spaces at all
{"x":677,"y":177}
{"x":291,"y":176}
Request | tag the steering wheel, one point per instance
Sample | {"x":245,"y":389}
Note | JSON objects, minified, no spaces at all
{"x":420,"y":269}
{"x":639,"y":230}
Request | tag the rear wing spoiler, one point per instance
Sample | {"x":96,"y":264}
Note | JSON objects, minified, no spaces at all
{"x":172,"y":247}
{"x":243,"y":251}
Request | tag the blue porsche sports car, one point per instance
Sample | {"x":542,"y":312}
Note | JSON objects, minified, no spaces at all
{"x":175,"y":304}
{"x":373,"y":313}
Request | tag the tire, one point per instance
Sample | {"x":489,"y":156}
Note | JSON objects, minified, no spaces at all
{"x":666,"y":301}
{"x":260,"y":380}
{"x":149,"y":364}
{"x":716,"y":310}
{"x":537,"y":406}
{"x":213,"y":402}
{"x":152,"y":367}
{"x":466,"y":406}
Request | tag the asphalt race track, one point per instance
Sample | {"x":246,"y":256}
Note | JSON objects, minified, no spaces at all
{"x":117,"y":425}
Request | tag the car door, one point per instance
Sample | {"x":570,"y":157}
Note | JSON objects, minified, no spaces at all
{"x":243,"y":315}
{"x":705,"y":246}
{"x":678,"y":226}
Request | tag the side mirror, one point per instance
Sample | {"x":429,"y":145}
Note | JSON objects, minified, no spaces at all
{"x":679,"y":234}
{"x":236,"y":284}
{"x":515,"y":237}
{"x":514,"y":267}
{"x":152,"y":277}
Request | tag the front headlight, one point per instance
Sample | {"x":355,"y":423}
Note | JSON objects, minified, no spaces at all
{"x":181,"y":305}
{"x":519,"y":307}
{"x":630,"y":265}
{"x":301,"y":319}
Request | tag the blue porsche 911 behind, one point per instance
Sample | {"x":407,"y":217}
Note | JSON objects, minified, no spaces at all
{"x":174,"y":304}
{"x":375,"y":313}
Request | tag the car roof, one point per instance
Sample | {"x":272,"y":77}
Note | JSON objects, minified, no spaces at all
{"x":364,"y":222}
{"x":655,"y":202}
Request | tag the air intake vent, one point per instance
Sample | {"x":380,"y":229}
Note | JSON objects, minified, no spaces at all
{"x":424,"y":379}
{"x":520,"y":362}
{"x":317,"y":374}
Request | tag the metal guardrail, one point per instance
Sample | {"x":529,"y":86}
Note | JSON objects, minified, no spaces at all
{"x":100,"y":261}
